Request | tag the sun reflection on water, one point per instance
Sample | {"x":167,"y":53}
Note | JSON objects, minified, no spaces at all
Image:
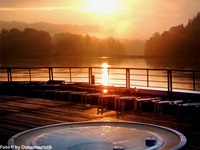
{"x":104,"y":79}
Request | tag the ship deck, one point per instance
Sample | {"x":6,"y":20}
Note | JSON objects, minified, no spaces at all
{"x":19,"y":113}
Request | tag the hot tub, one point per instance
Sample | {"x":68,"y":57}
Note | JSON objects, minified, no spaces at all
{"x":99,"y":136}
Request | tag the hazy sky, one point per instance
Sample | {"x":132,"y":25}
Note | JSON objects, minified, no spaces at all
{"x":119,"y":18}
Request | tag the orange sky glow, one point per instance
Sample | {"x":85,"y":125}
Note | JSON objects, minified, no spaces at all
{"x":118,"y":18}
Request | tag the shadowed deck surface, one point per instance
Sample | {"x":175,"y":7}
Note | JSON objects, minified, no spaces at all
{"x":18,"y":114}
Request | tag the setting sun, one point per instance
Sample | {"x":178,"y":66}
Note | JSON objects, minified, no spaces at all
{"x":102,"y":6}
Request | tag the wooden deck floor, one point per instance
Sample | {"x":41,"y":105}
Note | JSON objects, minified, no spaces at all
{"x":21,"y":113}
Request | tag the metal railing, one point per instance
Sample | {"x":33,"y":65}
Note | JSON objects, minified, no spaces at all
{"x":127,"y":77}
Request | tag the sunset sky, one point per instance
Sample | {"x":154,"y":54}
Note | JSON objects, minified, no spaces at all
{"x":118,"y":18}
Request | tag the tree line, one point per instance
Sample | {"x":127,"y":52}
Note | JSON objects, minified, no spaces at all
{"x":34,"y":43}
{"x":30,"y":42}
{"x":178,"y":42}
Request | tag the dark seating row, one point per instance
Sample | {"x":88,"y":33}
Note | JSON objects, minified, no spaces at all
{"x":109,"y":97}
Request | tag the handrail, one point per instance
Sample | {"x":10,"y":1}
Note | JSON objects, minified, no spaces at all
{"x":168,"y":79}
{"x":102,"y":67}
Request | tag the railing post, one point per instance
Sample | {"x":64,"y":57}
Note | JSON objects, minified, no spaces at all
{"x":169,"y":77}
{"x":194,"y":83}
{"x":127,"y":78}
{"x":9,"y":73}
{"x":108,"y":74}
{"x":90,"y":75}
{"x":70,"y":74}
{"x":147,"y":77}
{"x":50,"y":73}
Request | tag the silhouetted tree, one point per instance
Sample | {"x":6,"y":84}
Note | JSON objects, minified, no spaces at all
{"x":30,"y":42}
{"x":72,"y":44}
{"x":179,"y":41}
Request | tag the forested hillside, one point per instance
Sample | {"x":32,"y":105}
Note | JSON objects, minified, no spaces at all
{"x":179,"y":42}
{"x":34,"y":43}
{"x":51,"y":28}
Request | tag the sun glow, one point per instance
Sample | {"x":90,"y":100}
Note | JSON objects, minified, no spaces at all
{"x":105,"y":91}
{"x":102,"y":6}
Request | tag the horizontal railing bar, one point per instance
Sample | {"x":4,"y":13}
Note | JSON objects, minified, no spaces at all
{"x":97,"y":68}
{"x":79,"y":77}
{"x":183,"y":83}
{"x":138,"y":80}
{"x":117,"y":79}
{"x":135,"y":85}
{"x":157,"y":76}
{"x":182,"y":89}
{"x":151,"y":81}
{"x":182,"y":76}
{"x":138,"y":74}
{"x":176,"y":70}
{"x":117,"y":74}
{"x":163,"y":87}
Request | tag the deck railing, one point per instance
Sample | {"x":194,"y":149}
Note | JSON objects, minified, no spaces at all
{"x":169,"y":80}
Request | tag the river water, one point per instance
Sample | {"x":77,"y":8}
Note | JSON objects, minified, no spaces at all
{"x":121,"y":62}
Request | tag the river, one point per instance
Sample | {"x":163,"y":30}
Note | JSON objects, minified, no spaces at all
{"x":121,"y":62}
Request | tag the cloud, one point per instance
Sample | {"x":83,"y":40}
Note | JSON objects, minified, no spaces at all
{"x":35,"y":8}
{"x":34,"y":3}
